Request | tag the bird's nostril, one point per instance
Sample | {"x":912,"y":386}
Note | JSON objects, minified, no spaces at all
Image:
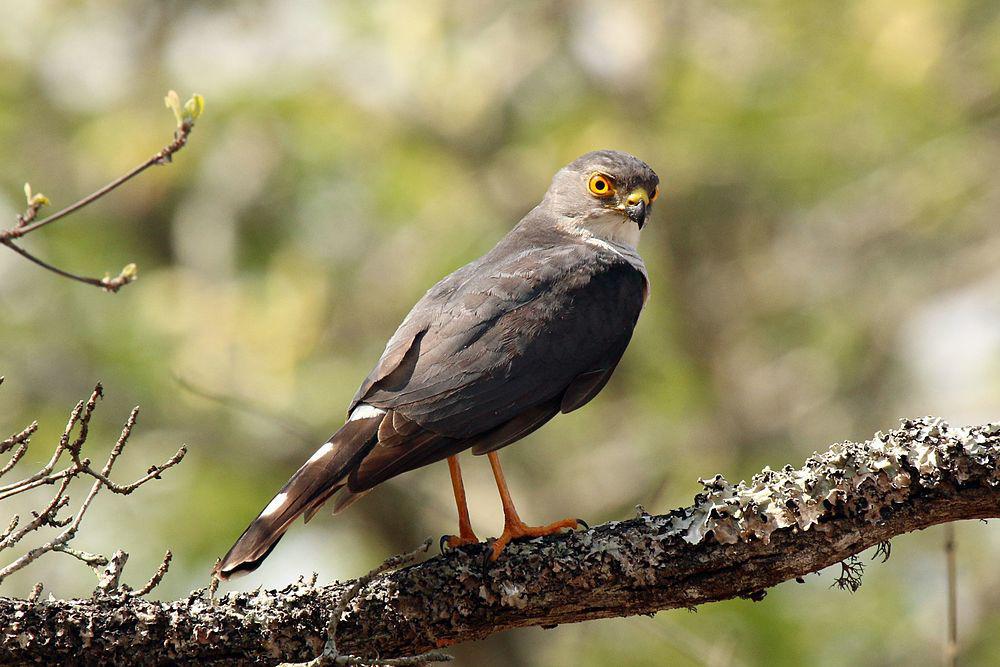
{"x":637,"y":197}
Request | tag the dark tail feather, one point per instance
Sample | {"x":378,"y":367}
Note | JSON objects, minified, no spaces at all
{"x":318,"y":479}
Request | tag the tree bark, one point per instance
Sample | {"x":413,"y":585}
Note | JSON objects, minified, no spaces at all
{"x":736,"y":540}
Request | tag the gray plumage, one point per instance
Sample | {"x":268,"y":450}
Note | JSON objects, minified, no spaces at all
{"x":493,"y":351}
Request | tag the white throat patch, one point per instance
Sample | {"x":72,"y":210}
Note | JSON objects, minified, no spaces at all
{"x":613,"y":228}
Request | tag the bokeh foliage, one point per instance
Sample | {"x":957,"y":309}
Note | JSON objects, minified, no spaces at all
{"x":824,"y":260}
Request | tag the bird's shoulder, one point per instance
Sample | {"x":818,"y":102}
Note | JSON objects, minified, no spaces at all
{"x":530,"y":258}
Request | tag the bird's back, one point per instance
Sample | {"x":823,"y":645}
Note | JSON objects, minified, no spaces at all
{"x":508,"y":331}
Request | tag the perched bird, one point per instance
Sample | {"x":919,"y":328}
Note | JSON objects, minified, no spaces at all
{"x":532,"y":328}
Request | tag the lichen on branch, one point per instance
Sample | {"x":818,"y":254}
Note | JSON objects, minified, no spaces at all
{"x":863,"y":479}
{"x":735,"y":540}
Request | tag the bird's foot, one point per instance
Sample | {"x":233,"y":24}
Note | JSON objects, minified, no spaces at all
{"x":455,"y":541}
{"x":515,"y":529}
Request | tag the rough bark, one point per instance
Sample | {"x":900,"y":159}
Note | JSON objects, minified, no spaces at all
{"x":736,"y":540}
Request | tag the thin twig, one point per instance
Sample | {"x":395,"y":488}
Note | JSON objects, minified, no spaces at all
{"x":57,"y":503}
{"x":36,"y":592}
{"x":29,"y":482}
{"x":125,"y":489}
{"x":27,"y":223}
{"x":84,"y":466}
{"x":116,"y":451}
{"x":34,"y":481}
{"x":95,"y":561}
{"x":163,"y":156}
{"x":951,"y":645}
{"x":14,"y":520}
{"x":157,"y":577}
{"x":126,"y":276}
{"x":18,"y":438}
{"x":84,"y":419}
{"x":15,"y":457}
{"x":287,"y":423}
{"x":110,"y":580}
{"x":109,"y":570}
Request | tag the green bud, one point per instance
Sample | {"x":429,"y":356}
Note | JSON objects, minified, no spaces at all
{"x":194,"y":107}
{"x":35,"y":200}
{"x":173,"y":102}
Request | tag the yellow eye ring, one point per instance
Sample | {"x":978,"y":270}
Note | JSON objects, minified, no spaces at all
{"x":600,"y":186}
{"x":656,"y":193}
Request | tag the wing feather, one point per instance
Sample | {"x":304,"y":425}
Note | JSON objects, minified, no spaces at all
{"x":497,"y":349}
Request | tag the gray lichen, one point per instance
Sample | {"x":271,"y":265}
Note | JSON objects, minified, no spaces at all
{"x":874,"y":474}
{"x":735,"y":540}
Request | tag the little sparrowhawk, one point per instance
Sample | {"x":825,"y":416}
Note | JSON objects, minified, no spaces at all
{"x":532,"y":328}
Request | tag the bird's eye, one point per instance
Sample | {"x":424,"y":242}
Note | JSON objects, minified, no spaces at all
{"x":601,"y":186}
{"x":656,"y":193}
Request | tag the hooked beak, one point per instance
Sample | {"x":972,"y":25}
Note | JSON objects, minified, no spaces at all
{"x":637,"y":206}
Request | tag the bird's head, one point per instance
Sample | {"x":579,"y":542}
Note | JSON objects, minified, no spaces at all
{"x":606,"y":194}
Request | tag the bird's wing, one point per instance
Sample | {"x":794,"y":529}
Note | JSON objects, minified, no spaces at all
{"x":496,"y":349}
{"x":490,"y":354}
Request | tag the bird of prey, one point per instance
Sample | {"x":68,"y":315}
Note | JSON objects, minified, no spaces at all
{"x":532,"y":328}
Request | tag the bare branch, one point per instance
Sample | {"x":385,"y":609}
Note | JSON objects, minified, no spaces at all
{"x":27,"y":222}
{"x":157,"y":577}
{"x":14,"y":520}
{"x":15,"y":457}
{"x":18,"y":438}
{"x":36,"y":592}
{"x":108,"y":570}
{"x":734,"y":541}
{"x":44,"y":475}
{"x":41,"y":518}
{"x":127,"y":275}
{"x":154,"y":472}
{"x":52,"y":545}
{"x":95,"y":561}
{"x":110,"y":579}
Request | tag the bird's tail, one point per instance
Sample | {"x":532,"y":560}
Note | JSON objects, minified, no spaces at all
{"x":318,"y":479}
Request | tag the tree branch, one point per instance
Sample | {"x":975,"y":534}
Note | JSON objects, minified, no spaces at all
{"x":48,"y":516}
{"x":736,"y":540}
{"x":27,"y":222}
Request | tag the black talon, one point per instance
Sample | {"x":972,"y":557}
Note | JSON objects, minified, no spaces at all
{"x":586,"y":526}
{"x":442,"y":542}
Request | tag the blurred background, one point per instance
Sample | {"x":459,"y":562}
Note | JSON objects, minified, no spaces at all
{"x":825,"y":259}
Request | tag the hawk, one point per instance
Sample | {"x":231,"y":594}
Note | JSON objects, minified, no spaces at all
{"x":534,"y":327}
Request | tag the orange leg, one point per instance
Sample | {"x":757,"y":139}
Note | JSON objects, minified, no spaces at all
{"x":465,"y":534}
{"x":513,"y":527}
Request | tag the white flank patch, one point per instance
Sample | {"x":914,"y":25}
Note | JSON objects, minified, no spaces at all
{"x":321,"y":452}
{"x":276,"y":504}
{"x":365,"y":411}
